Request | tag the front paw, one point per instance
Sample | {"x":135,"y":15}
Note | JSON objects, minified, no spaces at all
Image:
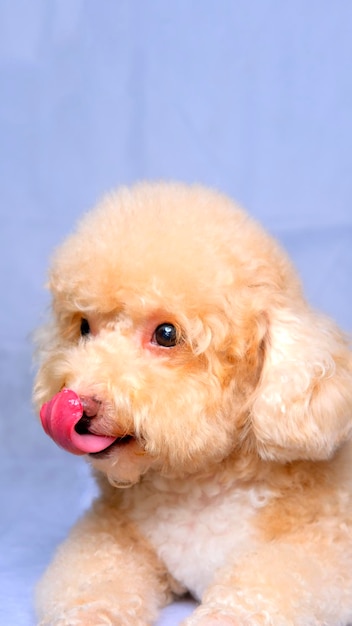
{"x":211,"y":616}
{"x":91,"y":615}
{"x":87,"y":615}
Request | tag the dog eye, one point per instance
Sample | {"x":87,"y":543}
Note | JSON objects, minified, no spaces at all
{"x":85,"y":328}
{"x":165,"y":335}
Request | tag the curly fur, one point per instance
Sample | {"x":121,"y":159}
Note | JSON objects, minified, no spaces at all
{"x":236,"y":485}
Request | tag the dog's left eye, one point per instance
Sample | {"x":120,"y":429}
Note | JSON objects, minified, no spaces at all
{"x":165,"y":335}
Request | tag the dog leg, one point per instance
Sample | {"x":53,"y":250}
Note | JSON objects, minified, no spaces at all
{"x":282,"y":585}
{"x":105,"y":573}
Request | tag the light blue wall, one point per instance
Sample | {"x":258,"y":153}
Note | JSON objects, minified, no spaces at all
{"x":251,"y":96}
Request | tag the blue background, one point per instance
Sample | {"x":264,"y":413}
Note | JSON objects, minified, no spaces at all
{"x":253,"y":97}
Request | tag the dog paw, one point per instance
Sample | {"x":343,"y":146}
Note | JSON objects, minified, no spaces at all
{"x":91,"y":615}
{"x":212,"y":620}
{"x":211,"y":617}
{"x":80,"y":617}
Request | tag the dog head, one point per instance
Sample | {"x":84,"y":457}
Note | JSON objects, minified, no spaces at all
{"x":182,"y":327}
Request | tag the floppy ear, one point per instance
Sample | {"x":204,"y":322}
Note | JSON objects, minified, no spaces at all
{"x":303,"y":404}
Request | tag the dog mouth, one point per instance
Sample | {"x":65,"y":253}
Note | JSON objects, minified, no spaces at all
{"x":118,"y":443}
{"x":84,"y":427}
{"x":77,"y":425}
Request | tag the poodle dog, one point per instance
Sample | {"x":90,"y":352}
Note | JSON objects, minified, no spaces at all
{"x":215,"y":407}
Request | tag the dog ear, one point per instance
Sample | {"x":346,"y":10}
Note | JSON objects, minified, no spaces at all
{"x":302,"y":407}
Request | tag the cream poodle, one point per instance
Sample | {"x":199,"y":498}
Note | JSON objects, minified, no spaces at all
{"x":216,"y":410}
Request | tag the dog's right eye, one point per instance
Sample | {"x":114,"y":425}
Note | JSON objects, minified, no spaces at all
{"x":85,"y":328}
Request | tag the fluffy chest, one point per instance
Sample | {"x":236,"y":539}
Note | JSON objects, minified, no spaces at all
{"x":196,"y":528}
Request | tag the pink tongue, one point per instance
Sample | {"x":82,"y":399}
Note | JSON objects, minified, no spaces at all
{"x":59,"y":417}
